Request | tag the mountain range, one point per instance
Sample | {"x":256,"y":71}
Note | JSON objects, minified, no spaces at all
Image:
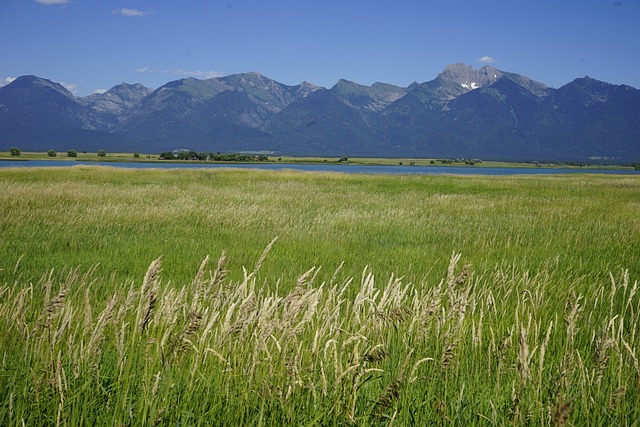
{"x":464,"y":112}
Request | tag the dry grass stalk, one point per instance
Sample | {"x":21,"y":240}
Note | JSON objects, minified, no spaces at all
{"x":601,"y":355}
{"x":220,"y":273}
{"x":97,"y":336}
{"x":543,"y":350}
{"x":52,"y":309}
{"x":151,"y":303}
{"x":376,"y":354}
{"x":149,"y":291}
{"x":262,"y":258}
{"x":198,"y":285}
{"x":616,"y":397}
{"x":188,"y":336}
{"x":449,"y":352}
{"x":412,"y":377}
{"x":572,"y":312}
{"x":88,"y":315}
{"x":523,"y":358}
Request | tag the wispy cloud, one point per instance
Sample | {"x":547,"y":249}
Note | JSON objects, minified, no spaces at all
{"x":486,"y":60}
{"x":180,"y":72}
{"x":6,"y":81}
{"x":100,"y":91}
{"x":131,"y":12}
{"x":197,"y":73}
{"x":53,"y":2}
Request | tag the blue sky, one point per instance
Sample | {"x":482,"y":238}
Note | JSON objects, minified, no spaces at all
{"x":92,"y":45}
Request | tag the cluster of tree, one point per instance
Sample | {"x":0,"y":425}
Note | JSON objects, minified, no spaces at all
{"x":216,"y":157}
{"x":456,"y":160}
{"x":15,"y":151}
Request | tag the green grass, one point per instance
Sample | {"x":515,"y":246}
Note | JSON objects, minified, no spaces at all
{"x":123,"y":219}
{"x":540,"y":310}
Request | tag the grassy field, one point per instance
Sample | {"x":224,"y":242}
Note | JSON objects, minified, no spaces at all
{"x":384,"y":300}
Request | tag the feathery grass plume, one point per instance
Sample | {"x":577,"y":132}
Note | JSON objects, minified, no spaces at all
{"x":198,"y":284}
{"x":449,"y":352}
{"x":523,"y":358}
{"x":412,"y":377}
{"x":88,"y":315}
{"x":186,"y":338}
{"x":375,"y":354}
{"x":431,"y":310}
{"x":98,"y":331}
{"x":476,"y":333}
{"x":451,"y":271}
{"x":394,"y":316}
{"x":52,"y":309}
{"x":263,"y":257}
{"x":17,"y":265}
{"x":220,"y":273}
{"x":616,"y":397}
{"x":562,"y":412}
{"x":335,"y":274}
{"x":542,"y":353}
{"x":600,"y":354}
{"x":17,"y":311}
{"x":149,"y":292}
{"x":573,"y":308}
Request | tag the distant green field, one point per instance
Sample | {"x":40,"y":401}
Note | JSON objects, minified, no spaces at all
{"x":484,"y":299}
{"x":400,"y":161}
{"x":123,"y":219}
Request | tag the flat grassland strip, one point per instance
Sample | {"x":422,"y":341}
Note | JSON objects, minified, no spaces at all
{"x":486,"y":300}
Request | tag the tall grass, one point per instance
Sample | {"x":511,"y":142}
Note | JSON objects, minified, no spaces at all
{"x":363,"y":312}
{"x":491,"y":348}
{"x":121,"y":220}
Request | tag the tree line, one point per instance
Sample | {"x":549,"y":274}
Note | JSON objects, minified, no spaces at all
{"x":217,"y":157}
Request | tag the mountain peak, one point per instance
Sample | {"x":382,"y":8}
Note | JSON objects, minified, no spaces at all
{"x":31,"y":82}
{"x":468,"y":77}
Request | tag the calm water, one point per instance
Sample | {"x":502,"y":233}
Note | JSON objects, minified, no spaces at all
{"x":345,"y":168}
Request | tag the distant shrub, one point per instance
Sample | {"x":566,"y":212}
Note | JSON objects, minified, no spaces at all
{"x":72,"y":153}
{"x":102,"y":153}
{"x":15,"y":151}
{"x":167,"y":155}
{"x":343,"y":159}
{"x":51,"y":153}
{"x":432,"y":162}
{"x":136,"y":155}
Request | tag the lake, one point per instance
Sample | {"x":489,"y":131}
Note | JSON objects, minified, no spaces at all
{"x":331,"y":167}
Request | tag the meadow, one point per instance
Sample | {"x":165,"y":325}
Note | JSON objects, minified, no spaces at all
{"x":241,"y":297}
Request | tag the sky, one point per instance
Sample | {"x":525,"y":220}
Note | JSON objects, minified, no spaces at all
{"x":92,"y":45}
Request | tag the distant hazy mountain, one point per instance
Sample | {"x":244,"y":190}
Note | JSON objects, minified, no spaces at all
{"x":113,"y":105}
{"x":464,"y":112}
